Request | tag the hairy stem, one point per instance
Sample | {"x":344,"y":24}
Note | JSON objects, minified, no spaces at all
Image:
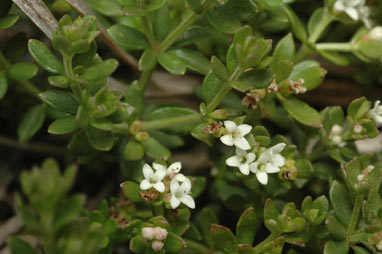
{"x":355,"y":214}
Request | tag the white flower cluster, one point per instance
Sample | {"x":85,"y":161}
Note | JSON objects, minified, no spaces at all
{"x":355,"y":9}
{"x":156,"y":235}
{"x":270,"y":161}
{"x":168,"y":179}
{"x":376,"y":113}
{"x":336,"y":135}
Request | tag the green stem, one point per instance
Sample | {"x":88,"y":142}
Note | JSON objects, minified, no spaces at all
{"x":335,"y":46}
{"x":150,"y":36}
{"x":224,"y":90}
{"x":270,"y":238}
{"x":303,"y":52}
{"x":320,"y":27}
{"x":168,"y":122}
{"x":357,"y":238}
{"x":145,"y":78}
{"x":75,"y":86}
{"x":158,"y":210}
{"x":32,"y":89}
{"x":355,"y":214}
{"x":370,"y":247}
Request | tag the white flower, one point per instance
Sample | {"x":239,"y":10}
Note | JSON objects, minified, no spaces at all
{"x":174,"y":168}
{"x":335,"y":135}
{"x":349,"y":7}
{"x":268,"y":162}
{"x":180,"y":194}
{"x":157,"y":245}
{"x":364,"y":14}
{"x":153,"y":179}
{"x":160,"y":233}
{"x":376,"y":33}
{"x":358,"y":128}
{"x":242,"y":159}
{"x":336,"y":130}
{"x":148,"y":233}
{"x":376,"y":113}
{"x":236,"y":135}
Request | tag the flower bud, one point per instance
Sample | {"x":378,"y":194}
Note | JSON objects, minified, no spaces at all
{"x":336,"y":130}
{"x":142,"y":136}
{"x":157,"y":245}
{"x":148,"y":233}
{"x":358,"y":129}
{"x":160,"y":233}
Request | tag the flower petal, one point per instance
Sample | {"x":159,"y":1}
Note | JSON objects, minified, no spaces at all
{"x":240,"y":152}
{"x":180,"y":178}
{"x":186,"y":185}
{"x":188,"y":201}
{"x":230,"y":125}
{"x":253,"y":167}
{"x":159,"y":167}
{"x":233,"y":161}
{"x":159,"y":186}
{"x":271,"y":168}
{"x":227,"y":140}
{"x":339,"y":6}
{"x":244,"y":169}
{"x":160,"y":174}
{"x":242,"y":143}
{"x":175,"y":167}
{"x":251,"y":157}
{"x":278,"y":160}
{"x":145,"y":185}
{"x":147,"y":171}
{"x":174,"y":185}
{"x":244,"y":129}
{"x":352,"y":13}
{"x":278,"y":148}
{"x":262,"y":177}
{"x":174,"y":202}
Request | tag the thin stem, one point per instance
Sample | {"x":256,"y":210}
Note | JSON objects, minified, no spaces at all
{"x":303,"y":52}
{"x":150,"y":36}
{"x":355,"y":214}
{"x":224,"y":90}
{"x":145,"y":78}
{"x":168,"y":122}
{"x":75,"y":86}
{"x":335,"y":46}
{"x":270,"y":238}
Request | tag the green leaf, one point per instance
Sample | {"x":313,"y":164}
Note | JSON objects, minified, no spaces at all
{"x":147,"y":60}
{"x":246,"y":227}
{"x":339,"y":198}
{"x":170,"y":141}
{"x":134,"y":96}
{"x":31,"y":123}
{"x":161,"y":22}
{"x":281,"y":70}
{"x":69,"y":211}
{"x":304,"y":169}
{"x":310,"y":72}
{"x":211,"y":86}
{"x":137,"y":244}
{"x":301,"y":111}
{"x":172,"y":63}
{"x":8,"y":21}
{"x":155,"y":150}
{"x":194,"y":60}
{"x":100,"y":139}
{"x":20,"y":246}
{"x":284,"y":49}
{"x":243,"y":10}
{"x":79,"y":144}
{"x":174,"y":243}
{"x":131,"y":191}
{"x":219,"y":69}
{"x":197,"y":133}
{"x":223,"y":239}
{"x":192,"y":35}
{"x":63,"y":125}
{"x":3,"y":85}
{"x":60,"y":100}
{"x":223,"y":21}
{"x":206,"y":218}
{"x":270,"y":211}
{"x":336,"y":229}
{"x":15,"y":47}
{"x":22,"y":71}
{"x":100,"y":71}
{"x":59,"y":81}
{"x":254,"y":79}
{"x":106,"y":7}
{"x":44,"y":57}
{"x":133,"y":150}
{"x":315,"y":19}
{"x":298,"y":27}
{"x":128,"y":37}
{"x":154,"y":5}
{"x":358,"y":108}
{"x":195,"y":6}
{"x":334,"y":247}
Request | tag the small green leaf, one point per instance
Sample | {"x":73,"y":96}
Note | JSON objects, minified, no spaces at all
{"x":20,"y":246}
{"x":197,"y":133}
{"x":147,"y":60}
{"x":131,"y":191}
{"x":3,"y":85}
{"x":137,"y":244}
{"x":106,"y":7}
{"x":192,"y":35}
{"x":223,"y":21}
{"x":174,"y":243}
{"x":223,"y":239}
{"x":219,"y":69}
{"x":100,"y":71}
{"x":194,"y":60}
{"x":44,"y":57}
{"x":161,"y":22}
{"x":69,"y":211}
{"x":284,"y":49}
{"x":315,"y":19}
{"x":31,"y":123}
{"x":206,"y":218}
{"x":100,"y":139}
{"x":155,"y":150}
{"x":336,"y":229}
{"x":128,"y":37}
{"x":211,"y":86}
{"x":172,"y":63}
{"x":304,"y":169}
{"x":79,"y":144}
{"x":297,"y":26}
{"x":301,"y":111}
{"x":243,"y":10}
{"x":8,"y":21}
{"x":134,"y":96}
{"x":310,"y":72}
{"x":339,"y":198}
{"x":254,"y":79}
{"x":170,"y":141}
{"x":22,"y":71}
{"x":281,"y":70}
{"x":358,"y":108}
{"x":63,"y":125}
{"x":195,"y":6}
{"x":60,"y":100}
{"x":270,"y":211}
{"x":133,"y":150}
{"x":335,"y":247}
{"x":246,"y":227}
{"x":59,"y":81}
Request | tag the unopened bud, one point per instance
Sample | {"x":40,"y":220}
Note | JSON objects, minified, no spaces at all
{"x":336,"y":130}
{"x":135,"y":127}
{"x":142,"y":136}
{"x":160,"y":233}
{"x":148,"y":233}
{"x":157,"y":245}
{"x":358,"y":128}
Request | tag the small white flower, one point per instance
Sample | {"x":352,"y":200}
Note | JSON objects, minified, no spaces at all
{"x":148,"y":233}
{"x":364,"y":14}
{"x":174,"y":168}
{"x":242,"y":159}
{"x":358,"y":128}
{"x":160,"y":233}
{"x":153,"y":179}
{"x":376,"y":113}
{"x":336,"y":130}
{"x":349,"y":7}
{"x":268,"y":162}
{"x":157,"y":245}
{"x":180,"y":194}
{"x":376,"y":33}
{"x":236,"y":135}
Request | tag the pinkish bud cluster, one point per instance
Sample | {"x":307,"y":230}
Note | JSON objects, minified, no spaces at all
{"x":155,"y":234}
